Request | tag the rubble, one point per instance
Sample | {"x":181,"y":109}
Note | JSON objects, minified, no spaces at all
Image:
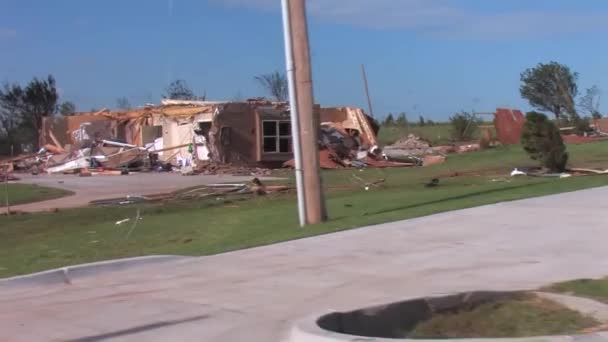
{"x":255,"y":187}
{"x":341,"y":147}
{"x":205,"y":137}
{"x":409,"y":146}
{"x":466,"y":148}
{"x":413,"y":149}
{"x":433,"y":160}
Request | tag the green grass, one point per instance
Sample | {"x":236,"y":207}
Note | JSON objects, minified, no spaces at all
{"x":591,"y":288}
{"x":28,"y":193}
{"x":41,"y":241}
{"x":521,"y":317}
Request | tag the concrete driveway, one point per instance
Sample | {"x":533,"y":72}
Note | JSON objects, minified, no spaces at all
{"x":88,"y":189}
{"x":256,"y":294}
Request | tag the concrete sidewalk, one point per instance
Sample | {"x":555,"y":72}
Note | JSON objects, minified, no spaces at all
{"x":256,"y":294}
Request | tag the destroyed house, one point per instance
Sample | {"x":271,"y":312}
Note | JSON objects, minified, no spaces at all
{"x":239,"y":133}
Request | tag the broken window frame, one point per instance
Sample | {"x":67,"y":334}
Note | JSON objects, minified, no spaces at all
{"x":277,"y":136}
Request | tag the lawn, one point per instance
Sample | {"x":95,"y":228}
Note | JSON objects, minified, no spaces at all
{"x":525,"y":316}
{"x":41,"y":241}
{"x":591,"y":288}
{"x":28,"y":193}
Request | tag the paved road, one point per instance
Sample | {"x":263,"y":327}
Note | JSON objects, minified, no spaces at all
{"x":254,"y":295}
{"x":88,"y":189}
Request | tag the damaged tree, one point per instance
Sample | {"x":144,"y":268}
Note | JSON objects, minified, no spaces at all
{"x":551,"y":87}
{"x":180,"y":90}
{"x":23,"y":109}
{"x":275,"y":84}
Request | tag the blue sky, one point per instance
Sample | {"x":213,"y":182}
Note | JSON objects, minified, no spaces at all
{"x":431,"y":57}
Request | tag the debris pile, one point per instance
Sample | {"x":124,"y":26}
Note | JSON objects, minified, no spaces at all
{"x":210,"y":168}
{"x":344,"y":149}
{"x":255,"y":187}
{"x":409,"y":149}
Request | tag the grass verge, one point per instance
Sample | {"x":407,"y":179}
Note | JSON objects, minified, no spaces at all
{"x":525,"y":316}
{"x":36,"y":242}
{"x":591,"y":288}
{"x":29,"y":193}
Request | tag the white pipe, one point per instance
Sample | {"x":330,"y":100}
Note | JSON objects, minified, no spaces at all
{"x":295,"y":118}
{"x":117,"y":144}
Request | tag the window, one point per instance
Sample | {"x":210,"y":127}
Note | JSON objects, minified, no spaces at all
{"x":204,"y":127}
{"x":276,"y":136}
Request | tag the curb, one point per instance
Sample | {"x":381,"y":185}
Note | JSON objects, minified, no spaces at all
{"x":320,"y":327}
{"x":307,"y":330}
{"x":66,"y":275}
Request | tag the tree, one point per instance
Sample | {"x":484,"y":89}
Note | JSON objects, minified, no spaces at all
{"x":275,"y":84}
{"x":390,"y":120}
{"x":550,"y":87}
{"x":11,"y":106}
{"x":590,"y":102}
{"x":40,"y":100}
{"x":402,"y":120}
{"x":67,"y":108}
{"x":542,"y":140}
{"x":123,"y":103}
{"x":421,"y":121}
{"x":179,"y":90}
{"x":464,"y":126}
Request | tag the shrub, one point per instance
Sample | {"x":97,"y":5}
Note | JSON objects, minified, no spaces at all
{"x":464,"y":126}
{"x":543,"y":142}
{"x":582,"y":126}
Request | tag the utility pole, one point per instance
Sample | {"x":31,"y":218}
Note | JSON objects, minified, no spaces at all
{"x":305,"y":122}
{"x":295,"y":118}
{"x":369,"y":99}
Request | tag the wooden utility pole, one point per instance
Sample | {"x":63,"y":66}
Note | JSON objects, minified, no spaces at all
{"x":309,"y":122}
{"x":369,"y":99}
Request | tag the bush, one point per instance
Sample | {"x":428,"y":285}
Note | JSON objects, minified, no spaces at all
{"x":582,"y":126}
{"x":543,"y":142}
{"x":464,"y":126}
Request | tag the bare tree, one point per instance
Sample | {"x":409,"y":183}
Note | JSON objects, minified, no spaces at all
{"x":590,"y":102}
{"x":123,"y":103}
{"x":275,"y":84}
